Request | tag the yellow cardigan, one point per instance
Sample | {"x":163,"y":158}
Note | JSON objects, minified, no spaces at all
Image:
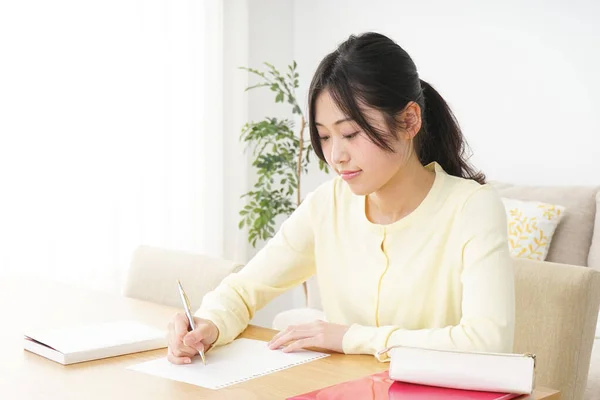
{"x":440,"y":277}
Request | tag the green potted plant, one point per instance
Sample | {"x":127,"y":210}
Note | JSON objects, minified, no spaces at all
{"x":280,"y":155}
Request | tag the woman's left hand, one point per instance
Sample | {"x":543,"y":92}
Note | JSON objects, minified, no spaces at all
{"x":321,"y":334}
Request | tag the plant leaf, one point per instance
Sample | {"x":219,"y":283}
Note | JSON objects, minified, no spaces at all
{"x":256,"y":86}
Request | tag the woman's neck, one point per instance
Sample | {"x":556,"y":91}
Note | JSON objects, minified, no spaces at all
{"x":401,"y":195}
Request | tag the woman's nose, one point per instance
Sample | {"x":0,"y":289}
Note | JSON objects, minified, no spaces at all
{"x":339,"y":153}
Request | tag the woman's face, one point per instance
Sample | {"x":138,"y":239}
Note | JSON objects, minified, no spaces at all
{"x":349,"y":151}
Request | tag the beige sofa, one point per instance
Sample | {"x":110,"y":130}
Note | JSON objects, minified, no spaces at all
{"x":557,"y":303}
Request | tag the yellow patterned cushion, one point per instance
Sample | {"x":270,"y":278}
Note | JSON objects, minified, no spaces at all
{"x":531,"y":225}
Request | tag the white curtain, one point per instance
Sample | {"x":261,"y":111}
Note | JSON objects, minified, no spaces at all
{"x":110,"y":134}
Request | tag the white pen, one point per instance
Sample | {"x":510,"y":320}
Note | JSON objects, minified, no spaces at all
{"x":188,"y":312}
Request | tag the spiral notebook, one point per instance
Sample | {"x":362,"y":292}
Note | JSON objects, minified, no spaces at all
{"x":239,"y":361}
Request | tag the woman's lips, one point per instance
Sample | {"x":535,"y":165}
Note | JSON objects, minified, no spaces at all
{"x":348,"y":175}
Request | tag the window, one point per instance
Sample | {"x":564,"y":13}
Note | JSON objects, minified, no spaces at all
{"x":110,"y":134}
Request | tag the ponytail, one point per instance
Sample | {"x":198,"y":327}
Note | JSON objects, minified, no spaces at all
{"x":440,"y":138}
{"x":372,"y":70}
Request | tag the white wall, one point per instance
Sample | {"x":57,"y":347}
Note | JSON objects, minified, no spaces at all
{"x":522,"y":78}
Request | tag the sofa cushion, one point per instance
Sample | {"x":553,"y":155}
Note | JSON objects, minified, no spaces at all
{"x":531,"y":226}
{"x":573,"y":237}
{"x":594,"y":257}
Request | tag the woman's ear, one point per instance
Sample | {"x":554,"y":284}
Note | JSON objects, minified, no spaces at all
{"x":410,"y":119}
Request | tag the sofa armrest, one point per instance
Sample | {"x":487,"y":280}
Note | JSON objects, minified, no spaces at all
{"x":153,"y":275}
{"x":556,"y":312}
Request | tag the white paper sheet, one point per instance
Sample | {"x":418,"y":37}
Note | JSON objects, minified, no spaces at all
{"x":239,"y":361}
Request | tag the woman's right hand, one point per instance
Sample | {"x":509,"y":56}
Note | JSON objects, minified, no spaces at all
{"x":183,"y":345}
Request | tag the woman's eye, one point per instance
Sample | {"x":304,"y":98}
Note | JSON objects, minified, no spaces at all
{"x":351,"y":135}
{"x":323,"y":138}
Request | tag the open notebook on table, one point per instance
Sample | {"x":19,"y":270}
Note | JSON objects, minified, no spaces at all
{"x":239,"y":361}
{"x":91,"y":342}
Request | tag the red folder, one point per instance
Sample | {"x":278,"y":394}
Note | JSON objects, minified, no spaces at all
{"x":381,"y":387}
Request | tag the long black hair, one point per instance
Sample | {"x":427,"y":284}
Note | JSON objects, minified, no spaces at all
{"x":372,"y":70}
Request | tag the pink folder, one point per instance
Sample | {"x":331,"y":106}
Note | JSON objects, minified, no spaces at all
{"x":381,"y":387}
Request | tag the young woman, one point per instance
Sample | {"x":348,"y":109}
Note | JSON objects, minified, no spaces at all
{"x":408,"y":243}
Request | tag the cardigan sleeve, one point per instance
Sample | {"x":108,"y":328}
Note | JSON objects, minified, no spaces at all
{"x":285,"y":261}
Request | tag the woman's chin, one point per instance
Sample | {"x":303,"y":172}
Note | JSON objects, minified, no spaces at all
{"x":359,"y":189}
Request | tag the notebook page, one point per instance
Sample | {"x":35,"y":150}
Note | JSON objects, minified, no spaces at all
{"x":239,"y":361}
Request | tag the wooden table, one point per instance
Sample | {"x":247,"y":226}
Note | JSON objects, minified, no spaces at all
{"x":24,"y":375}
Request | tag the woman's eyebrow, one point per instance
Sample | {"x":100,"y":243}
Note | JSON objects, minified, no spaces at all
{"x":336,"y":122}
